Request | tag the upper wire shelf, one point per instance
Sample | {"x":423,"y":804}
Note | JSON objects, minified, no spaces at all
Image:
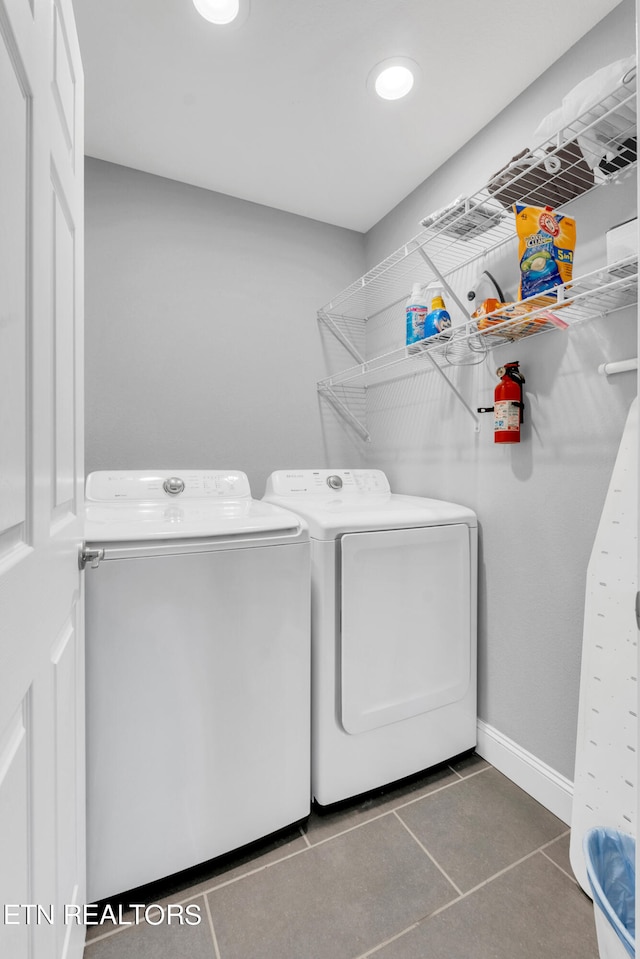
{"x":467,"y":229}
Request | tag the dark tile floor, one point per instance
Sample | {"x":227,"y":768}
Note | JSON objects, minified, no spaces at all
{"x":457,"y":864}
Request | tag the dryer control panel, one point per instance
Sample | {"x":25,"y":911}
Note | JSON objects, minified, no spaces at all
{"x":315,"y":482}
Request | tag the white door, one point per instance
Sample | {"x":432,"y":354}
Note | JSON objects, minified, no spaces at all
{"x":41,"y":629}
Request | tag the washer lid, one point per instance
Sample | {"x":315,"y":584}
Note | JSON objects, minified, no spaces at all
{"x":135,"y":505}
{"x":331,"y":512}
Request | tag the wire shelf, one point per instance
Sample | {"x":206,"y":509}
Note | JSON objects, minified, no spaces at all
{"x":596,"y":294}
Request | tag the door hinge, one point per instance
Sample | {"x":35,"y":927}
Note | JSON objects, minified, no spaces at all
{"x":92,"y":556}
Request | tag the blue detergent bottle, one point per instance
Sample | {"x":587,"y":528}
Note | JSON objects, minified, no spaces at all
{"x":437,"y":319}
{"x":417,"y":310}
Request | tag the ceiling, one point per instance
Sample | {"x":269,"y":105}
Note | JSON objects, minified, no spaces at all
{"x":277,"y":110}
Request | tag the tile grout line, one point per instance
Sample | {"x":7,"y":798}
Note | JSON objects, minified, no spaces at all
{"x":105,"y":935}
{"x":251,"y":872}
{"x":305,"y":837}
{"x":564,"y":872}
{"x":398,"y":935}
{"x":212,"y":928}
{"x":478,"y":772}
{"x":558,"y":866}
{"x":112,"y":932}
{"x":462,"y":779}
{"x":426,"y":851}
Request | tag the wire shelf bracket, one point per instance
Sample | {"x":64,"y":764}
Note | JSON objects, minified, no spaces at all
{"x":456,"y":393}
{"x":448,"y":289}
{"x":340,"y":336}
{"x":344,"y":411}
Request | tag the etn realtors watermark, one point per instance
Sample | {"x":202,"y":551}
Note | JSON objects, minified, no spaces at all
{"x":36,"y":914}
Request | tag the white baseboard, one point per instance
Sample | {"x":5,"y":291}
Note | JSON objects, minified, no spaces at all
{"x":547,"y":786}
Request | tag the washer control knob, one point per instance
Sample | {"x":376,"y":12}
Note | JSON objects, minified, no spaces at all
{"x":173,"y":485}
{"x":335,"y":482}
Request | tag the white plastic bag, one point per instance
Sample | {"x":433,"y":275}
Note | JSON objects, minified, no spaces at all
{"x":595,"y":93}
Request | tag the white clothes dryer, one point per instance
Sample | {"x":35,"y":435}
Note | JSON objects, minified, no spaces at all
{"x":393,"y":627}
{"x":198,"y":672}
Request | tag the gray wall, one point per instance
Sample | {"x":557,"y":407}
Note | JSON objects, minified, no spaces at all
{"x":202,"y":347}
{"x":539,"y":503}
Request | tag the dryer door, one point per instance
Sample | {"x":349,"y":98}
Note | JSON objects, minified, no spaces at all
{"x":406,"y":623}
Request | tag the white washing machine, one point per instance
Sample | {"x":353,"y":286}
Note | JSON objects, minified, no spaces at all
{"x":393,"y":634}
{"x":198,"y":672}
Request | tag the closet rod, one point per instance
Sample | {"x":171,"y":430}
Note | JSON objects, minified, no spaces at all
{"x":618,"y":366}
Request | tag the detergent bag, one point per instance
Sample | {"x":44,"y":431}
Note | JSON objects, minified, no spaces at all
{"x":547,"y":242}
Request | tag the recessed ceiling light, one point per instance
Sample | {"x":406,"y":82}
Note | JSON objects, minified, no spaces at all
{"x":393,"y":79}
{"x":218,"y":11}
{"x":394,"y":82}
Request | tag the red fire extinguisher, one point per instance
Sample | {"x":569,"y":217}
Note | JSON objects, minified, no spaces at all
{"x":508,"y":411}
